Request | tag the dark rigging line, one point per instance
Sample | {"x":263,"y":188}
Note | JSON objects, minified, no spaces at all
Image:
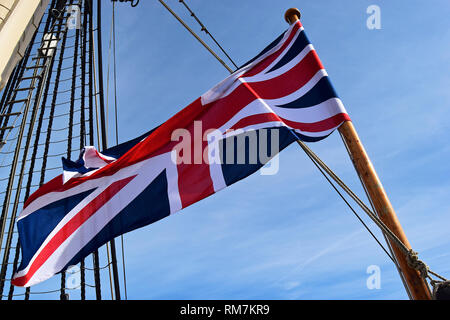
{"x":90,"y":8}
{"x":104,"y":137}
{"x":402,"y":276}
{"x":17,"y":248}
{"x":115,"y":75}
{"x":34,"y":154}
{"x":196,"y":36}
{"x":117,"y":130}
{"x":204,"y":29}
{"x":83,"y":123}
{"x":64,"y":295}
{"x":109,"y":67}
{"x":412,"y":257}
{"x":350,"y":206}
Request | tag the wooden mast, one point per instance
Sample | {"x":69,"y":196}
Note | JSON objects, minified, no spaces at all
{"x":378,"y":197}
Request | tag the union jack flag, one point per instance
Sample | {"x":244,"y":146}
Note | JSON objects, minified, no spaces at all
{"x":285,"y":89}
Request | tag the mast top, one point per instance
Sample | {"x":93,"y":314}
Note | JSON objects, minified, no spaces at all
{"x":292,"y":15}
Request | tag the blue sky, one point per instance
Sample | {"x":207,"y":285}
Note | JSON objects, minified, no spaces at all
{"x":289,"y":236}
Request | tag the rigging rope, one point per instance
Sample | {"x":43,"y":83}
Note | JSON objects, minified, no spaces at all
{"x":196,"y":36}
{"x":82,"y":135}
{"x":92,"y":95}
{"x":34,"y":110}
{"x":33,"y":157}
{"x":99,"y":109}
{"x":399,"y":270}
{"x":22,"y":66}
{"x":63,"y":295}
{"x":204,"y":29}
{"x":36,"y":136}
{"x":411,"y":256}
{"x":109,"y":66}
{"x":349,"y":205}
{"x":117,"y":128}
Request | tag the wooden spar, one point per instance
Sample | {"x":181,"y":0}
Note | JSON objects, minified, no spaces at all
{"x":417,"y":286}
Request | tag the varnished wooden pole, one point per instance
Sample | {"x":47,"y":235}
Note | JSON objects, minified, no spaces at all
{"x":417,"y":286}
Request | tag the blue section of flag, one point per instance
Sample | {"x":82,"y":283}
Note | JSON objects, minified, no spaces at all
{"x":149,"y":206}
{"x":75,"y":166}
{"x":300,"y":43}
{"x":36,"y":227}
{"x":116,"y":152}
{"x":234,"y":171}
{"x":322,"y":91}
{"x":121,"y":149}
{"x":265,"y":50}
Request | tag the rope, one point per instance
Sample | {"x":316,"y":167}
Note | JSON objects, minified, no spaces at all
{"x":72,"y":94}
{"x":52,"y":108}
{"x":89,"y":8}
{"x":36,"y":145}
{"x":115,"y":77}
{"x":15,"y":162}
{"x":390,"y":255}
{"x":350,"y":207}
{"x":63,"y":295}
{"x":33,"y":158}
{"x":32,"y":163}
{"x":399,"y":270}
{"x":196,"y":36}
{"x":104,"y":144}
{"x":109,"y":270}
{"x":11,"y":96}
{"x":411,"y":256}
{"x":98,"y":95}
{"x":34,"y":112}
{"x":113,"y":37}
{"x":109,"y":65}
{"x":83,"y":80}
{"x":100,"y":268}
{"x":39,"y":292}
{"x":9,"y":89}
{"x":40,"y":144}
{"x":204,"y":29}
{"x":82,"y":135}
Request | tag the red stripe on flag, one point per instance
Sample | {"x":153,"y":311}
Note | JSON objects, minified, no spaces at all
{"x":291,"y":80}
{"x":194,"y":183}
{"x":70,"y":227}
{"x":255,"y":119}
{"x":268,"y":60}
{"x":53,"y":185}
{"x":222,"y":110}
{"x":319,"y":126}
{"x":194,"y":179}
